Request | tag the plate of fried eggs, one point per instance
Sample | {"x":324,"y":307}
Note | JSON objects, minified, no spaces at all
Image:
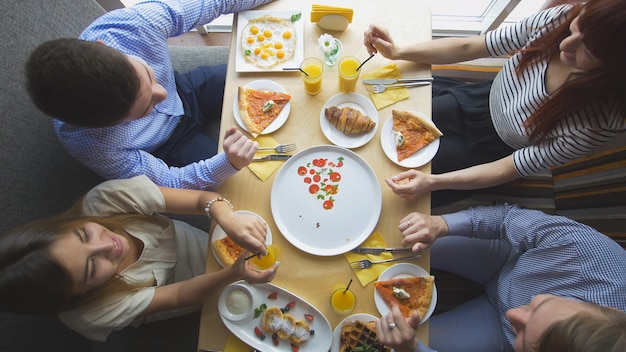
{"x":269,"y":40}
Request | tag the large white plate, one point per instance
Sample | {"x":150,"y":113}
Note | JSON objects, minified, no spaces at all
{"x":243,"y":328}
{"x":264,"y":84}
{"x":355,"y":101}
{"x":388,"y":142}
{"x":398,"y":271}
{"x":300,"y":215}
{"x":218,"y":233}
{"x":243,"y":17}
{"x":337,"y":332}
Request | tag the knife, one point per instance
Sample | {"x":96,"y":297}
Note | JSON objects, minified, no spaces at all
{"x":273,"y":157}
{"x":379,"y":250}
{"x":392,"y":81}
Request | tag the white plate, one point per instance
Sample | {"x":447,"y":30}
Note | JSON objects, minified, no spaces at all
{"x":243,"y":17}
{"x":388,"y":142}
{"x":264,"y":84}
{"x":355,"y":101}
{"x":300,"y":215}
{"x":218,"y":233}
{"x":398,"y":271}
{"x":244,"y":328}
{"x":337,"y":332}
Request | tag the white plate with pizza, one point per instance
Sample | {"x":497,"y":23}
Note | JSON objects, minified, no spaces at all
{"x":326,"y":200}
{"x":246,"y":322}
{"x":354,"y":101}
{"x":219,"y":234}
{"x":267,"y":41}
{"x":363,"y":317}
{"x":403,"y":270}
{"x":268,"y":85}
{"x":420,"y":158}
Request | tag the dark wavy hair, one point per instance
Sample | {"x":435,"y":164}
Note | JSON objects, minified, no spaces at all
{"x":602,"y":330}
{"x":603,"y":27}
{"x":82,"y":83}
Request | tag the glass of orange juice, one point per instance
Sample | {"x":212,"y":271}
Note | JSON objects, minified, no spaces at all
{"x":311,"y":71}
{"x":267,"y":261}
{"x":348,"y":73}
{"x":343,"y":300}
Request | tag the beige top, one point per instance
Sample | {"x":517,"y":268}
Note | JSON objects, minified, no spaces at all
{"x":173,"y":251}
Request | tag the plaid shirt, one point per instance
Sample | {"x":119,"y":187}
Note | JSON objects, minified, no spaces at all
{"x":123,"y":151}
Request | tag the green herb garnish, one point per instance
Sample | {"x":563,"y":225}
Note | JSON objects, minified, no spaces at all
{"x":260,"y":310}
{"x":246,"y":52}
{"x":296,"y":17}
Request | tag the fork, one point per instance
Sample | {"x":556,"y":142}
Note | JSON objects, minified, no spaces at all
{"x":366,"y":263}
{"x":281,"y":148}
{"x":379,"y":88}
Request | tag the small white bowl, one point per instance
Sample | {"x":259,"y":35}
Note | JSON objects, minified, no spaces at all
{"x":236,"y":302}
{"x":333,"y":22}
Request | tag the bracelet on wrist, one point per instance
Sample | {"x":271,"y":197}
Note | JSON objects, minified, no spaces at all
{"x":209,"y":203}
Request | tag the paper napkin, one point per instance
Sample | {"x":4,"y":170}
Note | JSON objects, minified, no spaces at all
{"x":234,"y":344}
{"x":366,"y":276}
{"x":264,"y":169}
{"x":390,"y":96}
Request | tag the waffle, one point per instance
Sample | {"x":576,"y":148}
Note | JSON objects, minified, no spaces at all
{"x":358,"y":333}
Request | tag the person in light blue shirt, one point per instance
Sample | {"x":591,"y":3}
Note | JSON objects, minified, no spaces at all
{"x":121,"y":109}
{"x":542,"y":274}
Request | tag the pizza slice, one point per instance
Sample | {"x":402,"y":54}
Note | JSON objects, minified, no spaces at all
{"x":410,"y":294}
{"x":259,"y":108}
{"x":412,"y":133}
{"x":226,"y":250}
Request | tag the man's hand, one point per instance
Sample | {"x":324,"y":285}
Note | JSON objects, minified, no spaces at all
{"x":419,"y":231}
{"x":395,"y":331}
{"x":239,"y":149}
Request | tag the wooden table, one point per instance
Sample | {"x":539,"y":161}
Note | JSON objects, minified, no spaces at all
{"x":308,"y":276}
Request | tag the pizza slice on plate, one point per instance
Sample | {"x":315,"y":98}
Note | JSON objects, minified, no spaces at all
{"x":259,"y":108}
{"x":226,"y":250}
{"x":410,"y":294}
{"x":412,"y":133}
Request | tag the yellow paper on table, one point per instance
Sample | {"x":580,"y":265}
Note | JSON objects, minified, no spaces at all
{"x":264,"y":169}
{"x":390,"y":96}
{"x":366,"y":276}
{"x":234,"y":344}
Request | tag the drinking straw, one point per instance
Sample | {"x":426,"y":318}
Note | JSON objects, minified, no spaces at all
{"x":366,"y":60}
{"x":294,"y":69}
{"x":252,"y":256}
{"x":347,"y":287}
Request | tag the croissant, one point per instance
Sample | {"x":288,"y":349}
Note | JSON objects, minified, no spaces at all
{"x":349,"y":120}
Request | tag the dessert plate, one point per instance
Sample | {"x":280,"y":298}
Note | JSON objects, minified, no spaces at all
{"x":420,"y":158}
{"x":264,"y":84}
{"x":218,"y":234}
{"x":355,"y":101}
{"x":337,"y":332}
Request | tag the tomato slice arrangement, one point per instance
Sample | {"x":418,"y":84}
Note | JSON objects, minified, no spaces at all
{"x":322,"y":177}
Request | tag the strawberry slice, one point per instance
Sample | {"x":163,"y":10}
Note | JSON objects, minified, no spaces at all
{"x":308,"y":317}
{"x":272,"y":295}
{"x":294,"y":347}
{"x":259,"y":333}
{"x":291,"y":304}
{"x":275,"y":339}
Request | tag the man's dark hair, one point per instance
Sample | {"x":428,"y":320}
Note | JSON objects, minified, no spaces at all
{"x":83,"y":83}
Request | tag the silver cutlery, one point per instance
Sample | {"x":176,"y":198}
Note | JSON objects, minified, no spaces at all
{"x":281,"y":148}
{"x":398,"y":80}
{"x":366,"y":263}
{"x":273,"y":157}
{"x":379,"y":250}
{"x":379,"y":88}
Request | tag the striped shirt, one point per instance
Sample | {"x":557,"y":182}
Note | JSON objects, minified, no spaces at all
{"x":514,"y":98}
{"x":123,"y":151}
{"x":550,"y":254}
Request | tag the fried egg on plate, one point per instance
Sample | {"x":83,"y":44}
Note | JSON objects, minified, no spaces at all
{"x":268,"y":41}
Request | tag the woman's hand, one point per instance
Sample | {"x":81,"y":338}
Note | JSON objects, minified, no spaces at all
{"x":239,"y":149}
{"x":378,"y":40}
{"x":243,"y":269}
{"x":395,"y":331}
{"x":419,"y":231}
{"x":248,"y":231}
{"x":409,"y":184}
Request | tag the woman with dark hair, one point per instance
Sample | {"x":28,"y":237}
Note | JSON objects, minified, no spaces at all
{"x":113,"y":261}
{"x":561,"y":95}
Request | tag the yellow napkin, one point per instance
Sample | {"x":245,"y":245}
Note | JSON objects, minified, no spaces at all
{"x":264,"y":169}
{"x":390,"y":96}
{"x":318,"y":11}
{"x":234,"y":344}
{"x":368,"y":275}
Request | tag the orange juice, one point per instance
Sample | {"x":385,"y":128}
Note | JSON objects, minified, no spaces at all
{"x":265,"y":262}
{"x":313,"y":77}
{"x":348,"y":74}
{"x":343,"y":301}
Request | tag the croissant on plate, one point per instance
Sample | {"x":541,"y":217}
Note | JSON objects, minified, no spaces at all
{"x":349,"y":120}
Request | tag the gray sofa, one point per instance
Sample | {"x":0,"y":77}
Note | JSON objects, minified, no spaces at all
{"x":40,"y":179}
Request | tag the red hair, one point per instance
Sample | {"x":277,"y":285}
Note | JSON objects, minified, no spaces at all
{"x":603,"y":27}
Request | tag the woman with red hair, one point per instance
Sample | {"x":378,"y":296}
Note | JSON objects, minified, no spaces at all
{"x":560,"y":96}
